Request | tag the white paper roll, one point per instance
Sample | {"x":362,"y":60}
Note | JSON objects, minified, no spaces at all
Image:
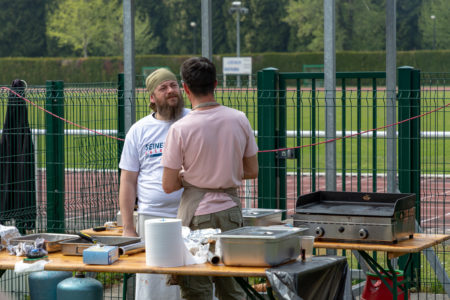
{"x":164,"y":244}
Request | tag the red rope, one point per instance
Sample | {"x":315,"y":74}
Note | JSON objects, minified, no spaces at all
{"x":261,"y":151}
{"x":65,"y":120}
{"x":358,"y":133}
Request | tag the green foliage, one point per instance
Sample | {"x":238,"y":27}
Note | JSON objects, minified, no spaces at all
{"x":105,"y":69}
{"x":22,"y":30}
{"x":95,"y":27}
{"x":438,"y":27}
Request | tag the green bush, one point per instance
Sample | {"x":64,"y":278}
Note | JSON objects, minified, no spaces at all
{"x":105,"y":69}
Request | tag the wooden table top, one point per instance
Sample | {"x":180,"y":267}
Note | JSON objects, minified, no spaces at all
{"x":117,"y":231}
{"x":420,"y":242}
{"x":133,"y":264}
{"x":136,"y":263}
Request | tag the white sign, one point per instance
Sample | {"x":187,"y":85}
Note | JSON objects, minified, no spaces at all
{"x":237,"y":65}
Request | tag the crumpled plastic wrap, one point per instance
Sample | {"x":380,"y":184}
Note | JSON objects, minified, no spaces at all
{"x":6,"y":234}
{"x":22,"y":267}
{"x":26,"y":249}
{"x":198,"y":242}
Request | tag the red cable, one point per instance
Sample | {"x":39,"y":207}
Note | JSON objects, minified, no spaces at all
{"x":358,"y":133}
{"x":56,"y":116}
{"x":261,"y":151}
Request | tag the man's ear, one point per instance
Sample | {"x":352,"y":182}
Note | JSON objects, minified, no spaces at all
{"x":186,"y":89}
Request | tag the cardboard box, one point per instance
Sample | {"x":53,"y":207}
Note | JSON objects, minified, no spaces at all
{"x":100,"y":255}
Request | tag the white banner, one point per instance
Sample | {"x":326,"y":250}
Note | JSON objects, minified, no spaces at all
{"x":237,"y":65}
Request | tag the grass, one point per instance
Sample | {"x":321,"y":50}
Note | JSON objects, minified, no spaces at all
{"x":97,"y":109}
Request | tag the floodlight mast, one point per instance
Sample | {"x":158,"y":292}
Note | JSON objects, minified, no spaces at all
{"x":236,"y":7}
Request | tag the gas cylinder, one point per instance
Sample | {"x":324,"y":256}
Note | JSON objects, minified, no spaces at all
{"x":43,"y":284}
{"x":79,"y":287}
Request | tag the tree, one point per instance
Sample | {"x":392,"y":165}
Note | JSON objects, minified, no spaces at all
{"x":408,"y":24}
{"x":23,"y":28}
{"x":359,"y":25}
{"x":265,"y":29}
{"x":94,"y":27}
{"x":435,"y":30}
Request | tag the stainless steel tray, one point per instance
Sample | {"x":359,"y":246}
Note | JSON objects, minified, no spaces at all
{"x":260,"y":246}
{"x":261,"y":216}
{"x":76,"y":246}
{"x":51,"y":243}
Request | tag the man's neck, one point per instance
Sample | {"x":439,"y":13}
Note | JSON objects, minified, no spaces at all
{"x":160,"y":117}
{"x":195,"y":101}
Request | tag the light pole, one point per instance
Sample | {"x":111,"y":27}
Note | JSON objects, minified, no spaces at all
{"x":433,"y":17}
{"x":194,"y":25}
{"x":236,"y":6}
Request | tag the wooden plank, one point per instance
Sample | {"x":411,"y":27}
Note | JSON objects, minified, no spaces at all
{"x":134,"y":264}
{"x":418,"y":243}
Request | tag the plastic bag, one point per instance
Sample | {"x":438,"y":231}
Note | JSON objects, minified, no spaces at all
{"x":197,"y":243}
{"x":22,"y":267}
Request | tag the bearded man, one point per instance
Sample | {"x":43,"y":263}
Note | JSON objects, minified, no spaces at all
{"x":141,"y":172}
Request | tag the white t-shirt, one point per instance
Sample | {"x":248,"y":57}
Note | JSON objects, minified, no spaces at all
{"x":142,"y":152}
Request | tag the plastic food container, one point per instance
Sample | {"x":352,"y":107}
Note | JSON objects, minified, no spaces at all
{"x":260,"y":246}
{"x":261,"y":216}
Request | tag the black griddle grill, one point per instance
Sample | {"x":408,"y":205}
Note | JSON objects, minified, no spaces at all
{"x":356,"y":216}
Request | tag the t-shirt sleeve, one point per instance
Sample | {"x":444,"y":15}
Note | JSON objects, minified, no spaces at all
{"x":172,"y":154}
{"x":129,"y":159}
{"x":251,"y":149}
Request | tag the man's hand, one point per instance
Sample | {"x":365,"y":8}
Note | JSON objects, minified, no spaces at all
{"x":127,"y":198}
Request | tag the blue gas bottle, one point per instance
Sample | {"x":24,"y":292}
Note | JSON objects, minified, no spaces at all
{"x":43,"y":284}
{"x":79,"y":287}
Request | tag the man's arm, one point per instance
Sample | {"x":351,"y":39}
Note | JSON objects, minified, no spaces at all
{"x":250,"y":167}
{"x":171,"y":180}
{"x":127,"y":199}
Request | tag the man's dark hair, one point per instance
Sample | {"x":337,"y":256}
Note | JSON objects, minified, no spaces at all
{"x":199,"y":74}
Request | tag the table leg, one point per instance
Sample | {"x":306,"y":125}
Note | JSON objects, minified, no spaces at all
{"x":251,"y":293}
{"x":391,"y":274}
{"x":404,"y":284}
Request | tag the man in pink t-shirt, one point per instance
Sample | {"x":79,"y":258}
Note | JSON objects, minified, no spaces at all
{"x":208,"y":152}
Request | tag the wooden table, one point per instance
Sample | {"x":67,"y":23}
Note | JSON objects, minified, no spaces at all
{"x":136,"y":264}
{"x":418,"y":243}
{"x":116,"y":231}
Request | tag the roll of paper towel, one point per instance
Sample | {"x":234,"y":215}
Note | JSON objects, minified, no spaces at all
{"x":164,"y":246}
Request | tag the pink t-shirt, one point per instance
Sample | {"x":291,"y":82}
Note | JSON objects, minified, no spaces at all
{"x":210,"y":146}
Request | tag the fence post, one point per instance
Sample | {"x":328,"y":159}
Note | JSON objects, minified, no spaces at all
{"x":54,"y":139}
{"x":409,"y":145}
{"x":267,"y":98}
{"x":120,"y":115}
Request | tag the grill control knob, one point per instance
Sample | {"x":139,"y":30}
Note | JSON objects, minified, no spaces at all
{"x":363,"y":233}
{"x":319,"y":231}
{"x":341,"y":229}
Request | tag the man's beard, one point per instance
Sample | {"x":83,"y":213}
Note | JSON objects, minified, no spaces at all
{"x":168,"y":111}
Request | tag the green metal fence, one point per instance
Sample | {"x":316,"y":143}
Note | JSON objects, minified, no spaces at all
{"x":76,"y":171}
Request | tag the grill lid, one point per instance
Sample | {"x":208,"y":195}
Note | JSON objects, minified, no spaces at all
{"x":354,"y":203}
{"x":260,"y":212}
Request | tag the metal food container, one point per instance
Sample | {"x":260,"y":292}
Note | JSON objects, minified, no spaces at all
{"x":260,"y":246}
{"x":51,"y":240}
{"x":76,"y":246}
{"x":261,"y":216}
